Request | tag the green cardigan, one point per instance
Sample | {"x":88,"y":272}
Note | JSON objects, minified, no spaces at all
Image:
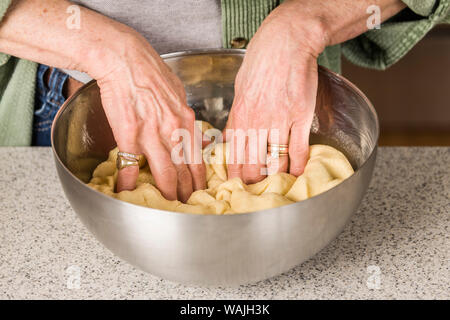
{"x":378,"y":48}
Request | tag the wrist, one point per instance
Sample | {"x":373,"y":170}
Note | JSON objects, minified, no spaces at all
{"x":101,"y":55}
{"x":326,"y":23}
{"x":309,"y":28}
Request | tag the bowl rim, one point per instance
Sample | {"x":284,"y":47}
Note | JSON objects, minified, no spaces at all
{"x":197,"y":215}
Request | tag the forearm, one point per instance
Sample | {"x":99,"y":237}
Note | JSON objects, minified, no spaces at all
{"x":37,"y":30}
{"x":352,"y":18}
{"x":333,"y":21}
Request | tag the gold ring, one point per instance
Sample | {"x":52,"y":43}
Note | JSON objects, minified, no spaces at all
{"x":278,"y":150}
{"x":278,"y":145}
{"x":276,"y":155}
{"x":125,"y":159}
{"x":285,"y":149}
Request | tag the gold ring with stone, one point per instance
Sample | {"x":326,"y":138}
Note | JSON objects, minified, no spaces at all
{"x":125,"y":159}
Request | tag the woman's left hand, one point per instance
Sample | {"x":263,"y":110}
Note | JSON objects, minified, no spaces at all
{"x":276,"y":87}
{"x":275,"y":91}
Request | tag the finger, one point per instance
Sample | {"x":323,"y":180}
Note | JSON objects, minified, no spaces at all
{"x":198,"y":172}
{"x":176,"y":149}
{"x":181,"y":149}
{"x":127,"y":177}
{"x":278,"y":136}
{"x":193,"y":154}
{"x":237,"y":140}
{"x":299,"y":138}
{"x":184,"y":182}
{"x":162,"y":168}
{"x":298,"y":148}
{"x":254,"y":169}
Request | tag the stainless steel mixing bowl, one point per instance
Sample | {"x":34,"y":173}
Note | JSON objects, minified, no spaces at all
{"x":216,"y":249}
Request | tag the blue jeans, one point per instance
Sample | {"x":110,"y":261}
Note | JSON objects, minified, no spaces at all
{"x":48,"y":100}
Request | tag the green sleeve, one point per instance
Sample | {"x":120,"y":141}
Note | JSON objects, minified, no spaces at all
{"x":380,"y":48}
{"x":17,"y":84}
{"x":241,"y":18}
{"x":4,"y":4}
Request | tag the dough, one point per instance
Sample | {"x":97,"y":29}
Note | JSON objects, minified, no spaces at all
{"x":326,"y":167}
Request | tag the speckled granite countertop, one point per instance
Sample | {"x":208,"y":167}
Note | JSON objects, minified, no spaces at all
{"x":401,"y":228}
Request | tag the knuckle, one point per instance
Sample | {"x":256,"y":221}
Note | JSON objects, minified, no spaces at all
{"x":132,"y":42}
{"x":198,"y":170}
{"x":296,"y":171}
{"x":125,"y":135}
{"x":147,"y":128}
{"x":297,"y":147}
{"x":190,"y":114}
{"x":168,"y":128}
{"x":252,"y":169}
{"x":298,"y":154}
{"x":297,"y":165}
{"x":129,"y":172}
{"x":252,"y":177}
{"x":168,"y":172}
{"x":175,"y":123}
{"x":128,"y":126}
{"x":184,"y":175}
{"x":128,"y":144}
{"x":234,"y":170}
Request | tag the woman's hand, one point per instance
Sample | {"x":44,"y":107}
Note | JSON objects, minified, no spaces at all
{"x":276,"y":87}
{"x":275,"y":90}
{"x":145,"y":103}
{"x":143,"y":100}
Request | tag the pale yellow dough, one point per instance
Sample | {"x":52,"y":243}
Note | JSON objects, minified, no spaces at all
{"x":326,"y":168}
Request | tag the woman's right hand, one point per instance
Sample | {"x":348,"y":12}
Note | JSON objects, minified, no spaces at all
{"x":145,"y":103}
